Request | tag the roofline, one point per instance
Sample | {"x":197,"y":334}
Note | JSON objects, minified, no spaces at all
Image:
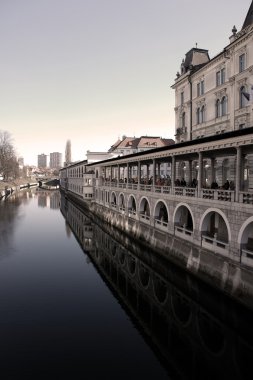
{"x":223,"y":136}
{"x":242,"y":32}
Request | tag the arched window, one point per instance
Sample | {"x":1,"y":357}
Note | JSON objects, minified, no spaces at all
{"x":202,"y":114}
{"x":183,"y":120}
{"x":198,"y":115}
{"x":243,"y":97}
{"x":223,"y":106}
{"x":217,"y":106}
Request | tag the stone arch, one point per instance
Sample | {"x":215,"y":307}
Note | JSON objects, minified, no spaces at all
{"x":144,"y":276}
{"x":122,"y":201}
{"x":183,"y":216}
{"x":122,"y":257}
{"x":161,"y":211}
{"x":144,"y":206}
{"x":181,"y":307}
{"x":211,"y":333}
{"x":132,"y":203}
{"x":131,"y":264}
{"x":113,"y":198}
{"x":215,"y":221}
{"x":160,"y":289}
{"x":245,"y":236}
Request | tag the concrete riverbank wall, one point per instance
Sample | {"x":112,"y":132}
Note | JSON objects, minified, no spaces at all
{"x":220,"y":272}
{"x":7,"y":189}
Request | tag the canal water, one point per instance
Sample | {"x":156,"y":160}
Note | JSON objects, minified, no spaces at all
{"x":80,"y":300}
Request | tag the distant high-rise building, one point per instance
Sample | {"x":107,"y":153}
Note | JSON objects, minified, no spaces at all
{"x":55,"y":160}
{"x":42,"y":160}
{"x":67,"y":153}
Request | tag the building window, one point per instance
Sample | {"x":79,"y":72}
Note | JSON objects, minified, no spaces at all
{"x":183,"y":120}
{"x":223,"y":75}
{"x":220,"y":77}
{"x":182,"y":98}
{"x":200,"y":88}
{"x":243,"y":97}
{"x":242,"y":62}
{"x":202,"y":114}
{"x":217,"y":106}
{"x":223,"y":106}
{"x":198,"y":115}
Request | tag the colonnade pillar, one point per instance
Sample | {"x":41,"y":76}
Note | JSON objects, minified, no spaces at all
{"x":154,"y":172}
{"x":139,"y":173}
{"x":213,"y":179}
{"x":190,"y":172}
{"x":238,"y":172}
{"x":200,"y":174}
{"x":173,"y":170}
{"x":118,"y":173}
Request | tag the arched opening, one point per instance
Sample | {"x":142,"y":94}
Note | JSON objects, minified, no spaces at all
{"x":131,"y":263}
{"x":161,"y":214}
{"x":247,"y":241}
{"x":132,"y":205}
{"x":217,"y":108}
{"x":122,"y":257}
{"x":202,"y":114}
{"x":183,"y":221}
{"x":160,"y":289}
{"x":180,"y":307}
{"x":144,"y":276}
{"x":214,"y":232}
{"x":113,"y":200}
{"x":243,"y":97}
{"x":122,"y":202}
{"x":144,"y":209}
{"x":223,"y":106}
{"x":211,"y":333}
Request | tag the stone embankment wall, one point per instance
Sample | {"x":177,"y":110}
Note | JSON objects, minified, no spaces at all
{"x":8,"y":188}
{"x":218,"y":271}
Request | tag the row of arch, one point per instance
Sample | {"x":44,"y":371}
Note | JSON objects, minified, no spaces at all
{"x":213,"y":222}
{"x":211,"y":333}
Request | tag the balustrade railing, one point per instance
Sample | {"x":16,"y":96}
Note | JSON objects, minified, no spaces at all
{"x":143,"y":215}
{"x":212,"y":194}
{"x":161,"y":223}
{"x":247,"y":253}
{"x":145,"y":187}
{"x":246,"y":197}
{"x":214,"y":241}
{"x":184,"y":230}
{"x":132,"y":186}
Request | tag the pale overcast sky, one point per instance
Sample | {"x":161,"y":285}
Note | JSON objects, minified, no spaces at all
{"x":94,"y":70}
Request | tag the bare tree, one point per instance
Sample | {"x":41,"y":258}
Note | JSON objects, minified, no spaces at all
{"x":8,"y":159}
{"x":68,"y":153}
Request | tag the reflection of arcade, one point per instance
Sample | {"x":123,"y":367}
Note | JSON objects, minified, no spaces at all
{"x":197,"y":333}
{"x":79,"y":223}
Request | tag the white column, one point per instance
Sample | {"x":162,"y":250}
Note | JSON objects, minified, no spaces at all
{"x":238,"y":172}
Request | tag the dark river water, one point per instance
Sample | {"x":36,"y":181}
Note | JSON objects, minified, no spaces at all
{"x":79,"y":300}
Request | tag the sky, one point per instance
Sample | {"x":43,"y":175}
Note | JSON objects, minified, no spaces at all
{"x":94,"y":70}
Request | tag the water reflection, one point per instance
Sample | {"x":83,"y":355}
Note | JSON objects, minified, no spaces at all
{"x":48,"y":198}
{"x":196,"y":332}
{"x":10,"y":214}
